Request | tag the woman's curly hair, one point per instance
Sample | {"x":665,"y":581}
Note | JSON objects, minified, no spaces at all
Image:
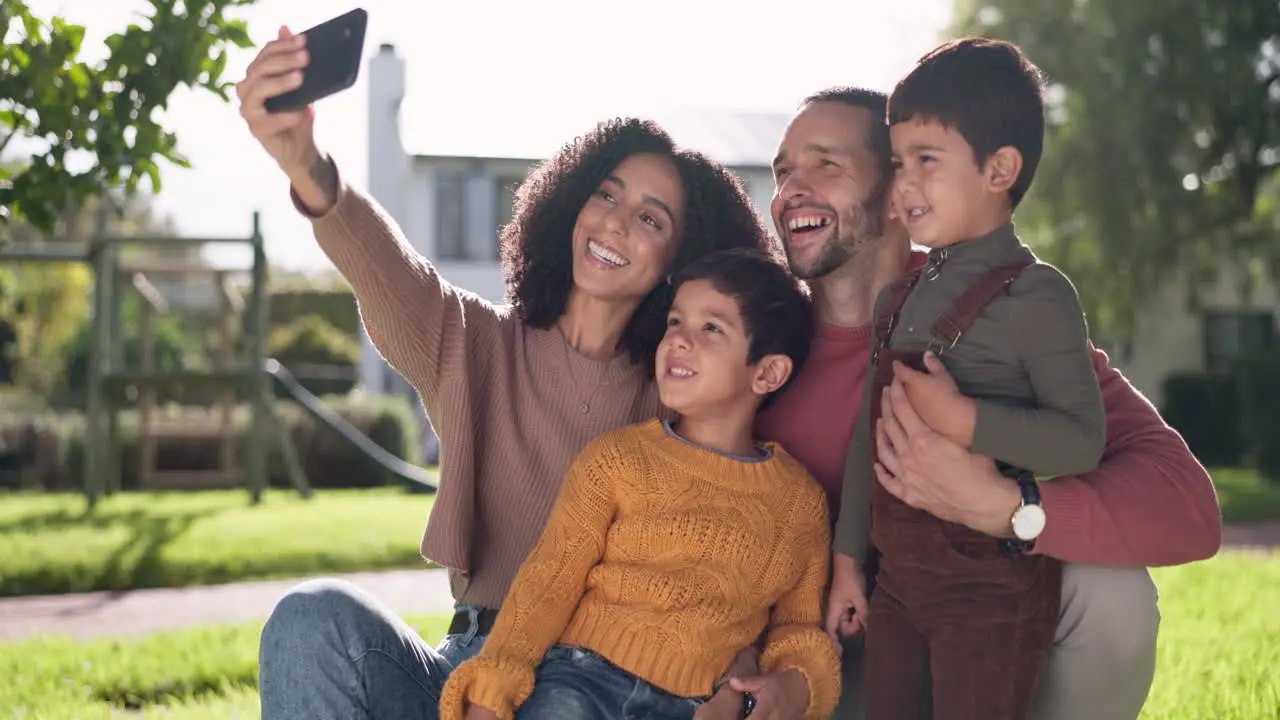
{"x":537,"y":252}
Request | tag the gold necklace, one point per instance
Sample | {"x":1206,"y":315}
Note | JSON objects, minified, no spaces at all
{"x":573,"y":381}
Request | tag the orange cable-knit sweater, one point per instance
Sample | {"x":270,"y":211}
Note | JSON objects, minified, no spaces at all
{"x":667,"y":559}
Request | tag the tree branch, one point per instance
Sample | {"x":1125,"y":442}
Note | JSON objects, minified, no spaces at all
{"x":5,"y":142}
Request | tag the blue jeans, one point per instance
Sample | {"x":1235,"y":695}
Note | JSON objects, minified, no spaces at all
{"x":332,"y":651}
{"x":577,"y":684}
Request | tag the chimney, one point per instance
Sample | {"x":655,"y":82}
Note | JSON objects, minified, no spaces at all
{"x":389,"y":169}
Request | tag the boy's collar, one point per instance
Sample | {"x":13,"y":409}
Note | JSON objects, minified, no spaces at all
{"x":998,"y":244}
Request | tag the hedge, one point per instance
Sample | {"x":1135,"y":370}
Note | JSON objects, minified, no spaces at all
{"x":1232,"y":419}
{"x":310,"y":342}
{"x":1205,"y":410}
{"x":50,"y":445}
{"x":1259,"y":379}
{"x":335,"y":304}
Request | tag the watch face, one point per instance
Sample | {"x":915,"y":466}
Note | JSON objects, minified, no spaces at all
{"x":1028,"y":522}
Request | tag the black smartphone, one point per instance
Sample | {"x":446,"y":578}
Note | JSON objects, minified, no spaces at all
{"x":335,"y":47}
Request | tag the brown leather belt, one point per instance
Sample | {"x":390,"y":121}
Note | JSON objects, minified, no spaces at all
{"x":462,"y":622}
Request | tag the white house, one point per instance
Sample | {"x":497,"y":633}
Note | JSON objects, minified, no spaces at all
{"x":450,"y":193}
{"x":1174,"y":334}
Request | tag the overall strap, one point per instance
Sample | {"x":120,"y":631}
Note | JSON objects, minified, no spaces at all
{"x":888,"y":316}
{"x":953,"y":323}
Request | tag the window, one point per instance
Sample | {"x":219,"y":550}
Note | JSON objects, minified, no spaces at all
{"x":1229,"y":336}
{"x":451,"y":239}
{"x":504,"y":203}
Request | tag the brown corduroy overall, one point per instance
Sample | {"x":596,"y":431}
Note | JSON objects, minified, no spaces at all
{"x":948,"y":601}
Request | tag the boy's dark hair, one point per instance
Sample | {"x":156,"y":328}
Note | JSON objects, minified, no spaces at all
{"x":537,"y":248}
{"x":777,"y":313}
{"x":986,"y":90}
{"x":874,"y":102}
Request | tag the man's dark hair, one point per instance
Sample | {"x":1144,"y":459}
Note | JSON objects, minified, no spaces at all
{"x":777,"y":312}
{"x":537,"y":247}
{"x":987,"y":91}
{"x":876,"y":103}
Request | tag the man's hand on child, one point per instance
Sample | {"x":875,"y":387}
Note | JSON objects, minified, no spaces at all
{"x":779,"y":695}
{"x":929,"y":472}
{"x":937,"y":400}
{"x":847,"y":601}
{"x":726,"y":704}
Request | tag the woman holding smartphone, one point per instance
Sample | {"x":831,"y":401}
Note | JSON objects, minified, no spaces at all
{"x":514,"y":392}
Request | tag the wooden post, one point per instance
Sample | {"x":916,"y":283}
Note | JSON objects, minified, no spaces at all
{"x":257,"y":382}
{"x":115,"y":361}
{"x":222,"y":363}
{"x":146,"y":398}
{"x":97,"y":452}
{"x":153,"y":303}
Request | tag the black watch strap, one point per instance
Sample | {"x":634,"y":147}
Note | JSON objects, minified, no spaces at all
{"x":1030,"y":490}
{"x":1029,"y":487}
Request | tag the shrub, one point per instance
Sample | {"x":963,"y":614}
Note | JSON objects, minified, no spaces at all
{"x":1205,"y":409}
{"x":173,"y":343}
{"x":51,"y":445}
{"x":43,"y":306}
{"x":310,"y":344}
{"x":1259,"y":380}
{"x":332,"y":301}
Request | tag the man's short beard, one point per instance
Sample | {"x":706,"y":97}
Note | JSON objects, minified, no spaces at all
{"x":866,"y":225}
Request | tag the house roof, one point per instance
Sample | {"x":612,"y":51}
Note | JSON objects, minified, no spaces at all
{"x":735,"y":138}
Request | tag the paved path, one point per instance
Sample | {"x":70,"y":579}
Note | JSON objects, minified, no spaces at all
{"x":1255,"y":535}
{"x":135,"y":612}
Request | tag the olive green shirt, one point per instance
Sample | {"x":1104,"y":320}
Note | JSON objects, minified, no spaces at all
{"x":1025,"y":360}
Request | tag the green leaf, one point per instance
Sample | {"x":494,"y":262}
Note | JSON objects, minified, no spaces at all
{"x":104,"y":111}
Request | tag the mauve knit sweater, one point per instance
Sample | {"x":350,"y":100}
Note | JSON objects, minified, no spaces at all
{"x":505,"y":400}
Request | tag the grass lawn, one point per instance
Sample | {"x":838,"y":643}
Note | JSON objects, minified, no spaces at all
{"x":50,"y":544}
{"x":1246,"y":496}
{"x":1219,"y":647}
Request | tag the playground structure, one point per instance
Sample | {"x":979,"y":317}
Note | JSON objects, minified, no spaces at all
{"x":239,"y":370}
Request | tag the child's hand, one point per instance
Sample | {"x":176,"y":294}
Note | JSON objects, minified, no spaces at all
{"x":476,"y":712}
{"x":936,"y":399}
{"x":725,"y":705}
{"x":847,"y":601}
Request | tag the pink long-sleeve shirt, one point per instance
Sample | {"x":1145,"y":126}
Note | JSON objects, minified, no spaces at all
{"x":1148,"y":503}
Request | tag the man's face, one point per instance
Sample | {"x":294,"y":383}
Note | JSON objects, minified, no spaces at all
{"x":829,"y":197}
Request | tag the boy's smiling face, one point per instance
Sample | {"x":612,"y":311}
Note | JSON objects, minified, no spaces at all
{"x":701,"y":362}
{"x":939,"y":191}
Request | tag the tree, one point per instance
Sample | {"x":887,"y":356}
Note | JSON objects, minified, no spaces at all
{"x":45,"y":306}
{"x":96,"y":123}
{"x":1163,"y":141}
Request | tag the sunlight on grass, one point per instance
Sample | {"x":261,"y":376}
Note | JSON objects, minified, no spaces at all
{"x":50,"y":544}
{"x":185,"y":675}
{"x":1219,"y":651}
{"x":1219,"y":647}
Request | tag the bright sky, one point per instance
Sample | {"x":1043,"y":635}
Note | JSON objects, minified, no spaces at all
{"x":499,"y":60}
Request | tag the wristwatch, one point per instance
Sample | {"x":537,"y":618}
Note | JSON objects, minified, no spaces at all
{"x":1028,"y":520}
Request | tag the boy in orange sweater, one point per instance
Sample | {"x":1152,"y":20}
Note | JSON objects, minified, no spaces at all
{"x":673,"y":545}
